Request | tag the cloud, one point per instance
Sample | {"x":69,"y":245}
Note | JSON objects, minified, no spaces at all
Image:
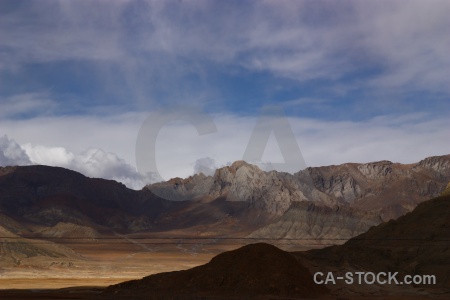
{"x":46,"y":31}
{"x":181,"y":151}
{"x":25,"y":104}
{"x":396,"y":43}
{"x":11,"y":154}
{"x":91,"y":162}
{"x":205,"y":165}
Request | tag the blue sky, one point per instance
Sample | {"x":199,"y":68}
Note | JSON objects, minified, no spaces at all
{"x":82,"y":75}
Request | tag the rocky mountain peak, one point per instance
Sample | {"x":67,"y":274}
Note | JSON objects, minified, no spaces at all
{"x":440,"y":164}
{"x":375,"y":170}
{"x":238,"y":164}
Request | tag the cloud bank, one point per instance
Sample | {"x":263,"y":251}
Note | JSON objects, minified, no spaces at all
{"x":181,"y":151}
{"x":92,"y":162}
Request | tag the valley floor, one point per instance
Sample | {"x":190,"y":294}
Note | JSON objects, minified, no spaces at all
{"x":104,"y":262}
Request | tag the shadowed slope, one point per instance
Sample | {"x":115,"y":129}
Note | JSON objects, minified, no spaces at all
{"x":257,"y":269}
{"x":417,"y":243}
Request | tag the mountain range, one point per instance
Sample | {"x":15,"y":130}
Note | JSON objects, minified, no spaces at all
{"x":316,"y":206}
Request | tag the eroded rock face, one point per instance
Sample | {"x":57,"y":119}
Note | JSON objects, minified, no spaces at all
{"x":270,"y":191}
{"x":315,"y":223}
{"x":348,"y":184}
{"x":376,"y":170}
{"x":439,"y":164}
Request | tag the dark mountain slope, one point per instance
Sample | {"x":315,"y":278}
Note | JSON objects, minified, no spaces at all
{"x":254,"y":270}
{"x":417,"y":243}
{"x":49,"y":195}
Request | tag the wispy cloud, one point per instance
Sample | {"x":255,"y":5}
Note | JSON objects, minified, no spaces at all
{"x":24,"y":105}
{"x":395,"y":44}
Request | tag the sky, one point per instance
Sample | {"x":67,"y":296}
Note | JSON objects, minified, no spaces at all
{"x":143,"y":91}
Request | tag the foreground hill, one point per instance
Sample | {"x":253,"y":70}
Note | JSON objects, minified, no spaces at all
{"x":253,"y":270}
{"x":415,"y":244}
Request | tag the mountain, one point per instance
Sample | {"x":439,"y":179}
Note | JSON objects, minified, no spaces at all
{"x":312,"y":222}
{"x":333,"y":202}
{"x":256,"y":270}
{"x":390,"y":189}
{"x":324,"y":205}
{"x":49,"y":195}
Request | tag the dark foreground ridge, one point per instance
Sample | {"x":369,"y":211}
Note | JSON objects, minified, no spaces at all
{"x":253,"y":270}
{"x":415,"y":244}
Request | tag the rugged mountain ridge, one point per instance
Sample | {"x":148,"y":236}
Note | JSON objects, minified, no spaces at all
{"x":385,"y":188}
{"x":321,"y":203}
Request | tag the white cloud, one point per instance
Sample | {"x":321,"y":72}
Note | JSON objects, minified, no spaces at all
{"x":180,"y":151}
{"x":205,"y":165}
{"x":11,"y":154}
{"x":91,"y":162}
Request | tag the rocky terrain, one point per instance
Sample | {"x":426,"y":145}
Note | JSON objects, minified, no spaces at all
{"x":312,"y":208}
{"x":333,"y":202}
{"x":315,"y":223}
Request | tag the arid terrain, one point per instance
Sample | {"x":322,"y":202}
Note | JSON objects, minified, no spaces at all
{"x":64,"y":234}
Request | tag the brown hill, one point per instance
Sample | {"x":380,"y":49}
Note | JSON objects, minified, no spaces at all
{"x":254,"y":270}
{"x":18,"y":251}
{"x":49,"y":195}
{"x":415,"y":244}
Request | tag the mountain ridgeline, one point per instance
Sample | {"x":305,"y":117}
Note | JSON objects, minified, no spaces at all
{"x":319,"y":203}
